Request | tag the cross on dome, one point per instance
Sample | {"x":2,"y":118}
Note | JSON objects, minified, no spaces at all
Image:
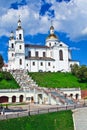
{"x":19,"y":22}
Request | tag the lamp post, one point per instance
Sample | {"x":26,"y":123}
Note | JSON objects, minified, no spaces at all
{"x":29,"y":109}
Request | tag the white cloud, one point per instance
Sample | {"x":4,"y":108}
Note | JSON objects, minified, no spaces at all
{"x":69,"y":17}
{"x":84,"y":31}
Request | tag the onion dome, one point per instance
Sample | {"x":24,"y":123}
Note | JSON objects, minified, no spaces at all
{"x":11,"y":35}
{"x":52,"y":35}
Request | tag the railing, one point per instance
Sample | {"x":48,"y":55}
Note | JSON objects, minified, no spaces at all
{"x":69,"y":89}
{"x":40,"y":111}
{"x":9,"y":90}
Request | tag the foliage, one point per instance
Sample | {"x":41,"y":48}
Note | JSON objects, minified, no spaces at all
{"x":57,"y":80}
{"x":80,"y":72}
{"x":5,"y":75}
{"x":52,"y":121}
{"x":7,"y":81}
{"x":74,"y":69}
{"x":1,"y":61}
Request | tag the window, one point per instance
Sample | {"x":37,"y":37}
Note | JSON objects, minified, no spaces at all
{"x":60,"y":44}
{"x":20,"y":47}
{"x":12,"y":45}
{"x":36,"y":53}
{"x":49,"y":44}
{"x":12,"y":54}
{"x":29,"y":53}
{"x":33,"y":63}
{"x":48,"y":63}
{"x":44,"y":54}
{"x":41,"y":63}
{"x":20,"y":61}
{"x":60,"y":55}
{"x":20,"y":36}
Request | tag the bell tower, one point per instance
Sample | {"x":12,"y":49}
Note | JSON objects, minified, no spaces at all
{"x":11,"y":51}
{"x":19,"y":47}
{"x":19,"y":31}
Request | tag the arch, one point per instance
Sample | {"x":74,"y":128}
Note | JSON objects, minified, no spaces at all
{"x":71,"y":95}
{"x":3,"y":99}
{"x":60,"y":55}
{"x":77,"y":95}
{"x":32,"y":99}
{"x":21,"y":98}
{"x":13,"y":98}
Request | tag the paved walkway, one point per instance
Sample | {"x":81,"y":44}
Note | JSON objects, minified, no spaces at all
{"x":80,"y":119}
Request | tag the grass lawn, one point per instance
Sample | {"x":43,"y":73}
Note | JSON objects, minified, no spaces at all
{"x":52,"y":121}
{"x":57,"y":80}
{"x":7,"y":81}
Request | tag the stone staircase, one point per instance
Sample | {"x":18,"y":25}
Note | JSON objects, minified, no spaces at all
{"x":26,"y":83}
{"x":23,"y":79}
{"x":56,"y":93}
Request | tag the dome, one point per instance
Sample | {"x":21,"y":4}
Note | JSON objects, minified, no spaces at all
{"x":51,"y":28}
{"x":52,"y":36}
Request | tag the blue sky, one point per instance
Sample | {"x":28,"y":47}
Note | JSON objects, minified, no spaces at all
{"x":69,"y":20}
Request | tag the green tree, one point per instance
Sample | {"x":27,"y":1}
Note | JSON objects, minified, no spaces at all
{"x":1,"y":61}
{"x":82,"y":73}
{"x":74,"y":69}
{"x":85,"y":75}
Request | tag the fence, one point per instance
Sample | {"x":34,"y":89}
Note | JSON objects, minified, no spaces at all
{"x":40,"y":111}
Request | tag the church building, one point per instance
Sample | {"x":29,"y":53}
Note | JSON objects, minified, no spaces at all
{"x":54,"y":56}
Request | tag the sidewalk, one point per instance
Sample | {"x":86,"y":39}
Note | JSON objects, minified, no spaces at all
{"x":80,"y":118}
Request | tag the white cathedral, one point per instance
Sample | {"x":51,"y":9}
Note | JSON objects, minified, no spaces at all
{"x":54,"y":56}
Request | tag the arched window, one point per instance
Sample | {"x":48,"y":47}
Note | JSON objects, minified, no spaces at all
{"x":20,"y":36}
{"x":71,"y":95}
{"x":60,"y":55}
{"x":21,"y":98}
{"x":12,"y":54}
{"x":12,"y":45}
{"x":20,"y":47}
{"x":77,"y":95}
{"x":20,"y":61}
{"x":44,"y":54}
{"x":13,"y":98}
{"x":32,"y":99}
{"x":49,"y":44}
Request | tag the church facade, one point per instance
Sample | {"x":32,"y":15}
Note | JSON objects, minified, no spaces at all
{"x":54,"y":56}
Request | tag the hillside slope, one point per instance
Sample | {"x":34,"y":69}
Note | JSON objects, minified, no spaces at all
{"x":57,"y":80}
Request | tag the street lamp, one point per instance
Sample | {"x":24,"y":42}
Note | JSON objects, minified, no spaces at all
{"x":29,"y":109}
